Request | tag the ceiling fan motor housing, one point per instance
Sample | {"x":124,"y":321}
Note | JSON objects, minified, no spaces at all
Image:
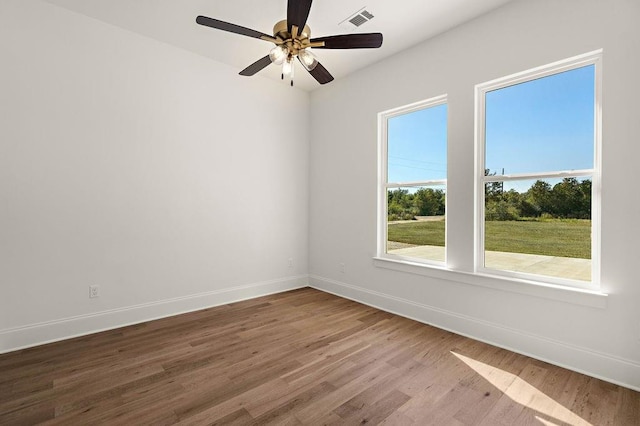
{"x":280,"y":30}
{"x":294,"y":42}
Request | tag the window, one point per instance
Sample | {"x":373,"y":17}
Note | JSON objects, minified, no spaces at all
{"x":413,"y":181}
{"x":536,"y":209}
{"x":538,"y":174}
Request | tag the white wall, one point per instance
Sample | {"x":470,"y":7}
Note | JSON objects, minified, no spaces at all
{"x":604,"y":342}
{"x":166,"y":179}
{"x":161,"y":176}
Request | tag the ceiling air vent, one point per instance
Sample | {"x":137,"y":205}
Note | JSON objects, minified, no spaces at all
{"x":356,"y":20}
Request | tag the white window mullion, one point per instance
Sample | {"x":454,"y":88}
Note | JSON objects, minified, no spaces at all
{"x":394,"y":185}
{"x":531,"y":176}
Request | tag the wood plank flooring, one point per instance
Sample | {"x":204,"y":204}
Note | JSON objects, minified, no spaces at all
{"x":301,"y":357}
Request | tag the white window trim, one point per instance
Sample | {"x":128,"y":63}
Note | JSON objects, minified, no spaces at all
{"x":384,"y":186}
{"x":572,"y":295}
{"x":591,"y":58}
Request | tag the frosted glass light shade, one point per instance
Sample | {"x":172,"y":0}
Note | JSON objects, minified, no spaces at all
{"x":278,"y":54}
{"x":287,"y":66}
{"x":308,"y":60}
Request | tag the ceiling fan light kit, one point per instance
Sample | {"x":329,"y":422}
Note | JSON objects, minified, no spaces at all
{"x":278,"y":55}
{"x":307,"y":59}
{"x":292,"y":42}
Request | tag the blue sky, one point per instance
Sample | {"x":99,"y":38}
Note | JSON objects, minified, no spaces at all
{"x":542,"y":125}
{"x":539,"y":126}
{"x":417,"y":146}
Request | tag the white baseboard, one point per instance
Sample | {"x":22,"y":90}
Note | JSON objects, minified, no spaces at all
{"x":596,"y":364}
{"x":51,"y":331}
{"x":592,"y":363}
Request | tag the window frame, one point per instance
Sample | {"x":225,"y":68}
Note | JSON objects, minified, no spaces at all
{"x":592,"y":58}
{"x":384,"y":186}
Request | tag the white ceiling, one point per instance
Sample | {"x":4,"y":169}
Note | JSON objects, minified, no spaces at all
{"x":402,"y":22}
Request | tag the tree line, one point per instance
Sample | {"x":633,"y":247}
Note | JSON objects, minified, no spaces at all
{"x":568,"y":199}
{"x":401,"y":205}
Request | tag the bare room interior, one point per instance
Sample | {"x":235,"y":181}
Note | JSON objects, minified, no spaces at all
{"x":404,"y":213}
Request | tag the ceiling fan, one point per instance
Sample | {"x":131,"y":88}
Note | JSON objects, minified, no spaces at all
{"x":292,"y":38}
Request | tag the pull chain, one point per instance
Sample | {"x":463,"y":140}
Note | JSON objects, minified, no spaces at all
{"x":292,"y":71}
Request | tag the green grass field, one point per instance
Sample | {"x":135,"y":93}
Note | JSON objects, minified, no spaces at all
{"x":551,"y":237}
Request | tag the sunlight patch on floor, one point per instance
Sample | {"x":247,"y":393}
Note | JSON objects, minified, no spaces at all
{"x":546,"y":422}
{"x":523,"y":393}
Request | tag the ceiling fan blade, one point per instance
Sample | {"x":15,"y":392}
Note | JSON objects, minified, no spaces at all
{"x":297,"y":13}
{"x":256,"y":66}
{"x":232,"y":28}
{"x":320,"y":73}
{"x":350,"y":41}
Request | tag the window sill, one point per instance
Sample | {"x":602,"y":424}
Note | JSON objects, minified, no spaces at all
{"x":576,"y":296}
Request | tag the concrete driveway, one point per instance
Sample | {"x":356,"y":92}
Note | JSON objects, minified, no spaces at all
{"x":554,"y":266}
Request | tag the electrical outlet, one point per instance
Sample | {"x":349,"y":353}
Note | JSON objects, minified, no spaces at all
{"x":342,"y":268}
{"x":94,"y":291}
{"x":290,"y":262}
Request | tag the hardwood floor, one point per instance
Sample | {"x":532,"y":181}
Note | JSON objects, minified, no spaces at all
{"x":301,"y":357}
